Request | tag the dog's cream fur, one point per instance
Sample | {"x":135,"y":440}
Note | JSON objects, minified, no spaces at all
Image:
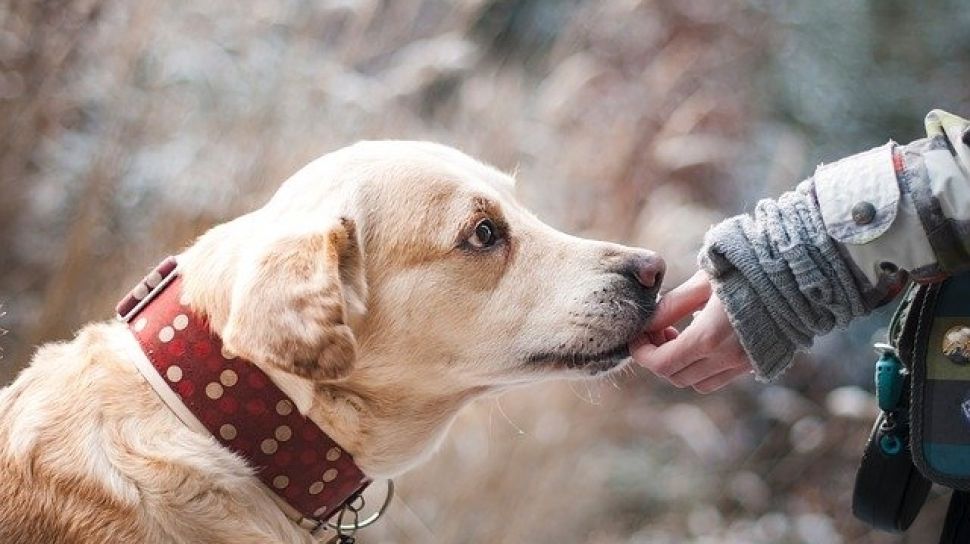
{"x":360,"y":290}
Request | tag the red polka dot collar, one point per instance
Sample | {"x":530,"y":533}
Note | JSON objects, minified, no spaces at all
{"x":237,"y":403}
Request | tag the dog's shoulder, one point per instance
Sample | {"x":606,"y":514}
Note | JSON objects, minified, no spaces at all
{"x":48,"y":420}
{"x":89,"y":453}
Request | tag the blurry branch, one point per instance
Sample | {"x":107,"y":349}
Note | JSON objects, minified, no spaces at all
{"x":41,"y":46}
{"x":42,"y":41}
{"x":100,"y":183}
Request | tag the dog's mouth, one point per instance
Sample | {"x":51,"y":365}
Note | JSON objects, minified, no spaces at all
{"x":600,"y":345}
{"x":591,"y":363}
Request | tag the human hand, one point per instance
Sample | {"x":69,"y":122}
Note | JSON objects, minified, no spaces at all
{"x":707,"y":355}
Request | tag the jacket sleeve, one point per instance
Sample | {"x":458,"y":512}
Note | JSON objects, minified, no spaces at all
{"x":843,"y":242}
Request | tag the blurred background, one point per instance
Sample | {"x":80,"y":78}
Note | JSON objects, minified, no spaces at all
{"x":128,"y":128}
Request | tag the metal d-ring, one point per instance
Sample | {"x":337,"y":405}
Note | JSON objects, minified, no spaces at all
{"x":340,"y":527}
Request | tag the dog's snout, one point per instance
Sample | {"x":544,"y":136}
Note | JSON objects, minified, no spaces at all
{"x":647,"y":268}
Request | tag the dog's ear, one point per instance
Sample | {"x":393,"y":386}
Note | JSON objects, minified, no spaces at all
{"x":293,"y":299}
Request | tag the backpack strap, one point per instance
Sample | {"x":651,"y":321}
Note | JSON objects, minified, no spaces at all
{"x":956,"y":528}
{"x":889,"y":491}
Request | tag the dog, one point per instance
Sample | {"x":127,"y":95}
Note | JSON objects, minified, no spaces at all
{"x":382,"y":288}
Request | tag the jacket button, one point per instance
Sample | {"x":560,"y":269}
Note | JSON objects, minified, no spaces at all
{"x":956,"y":344}
{"x":863,"y":213}
{"x":888,"y":268}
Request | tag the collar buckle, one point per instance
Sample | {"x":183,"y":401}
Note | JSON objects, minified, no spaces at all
{"x":147,"y":289}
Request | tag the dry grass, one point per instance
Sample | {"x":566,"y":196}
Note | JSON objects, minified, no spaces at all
{"x":130,"y":127}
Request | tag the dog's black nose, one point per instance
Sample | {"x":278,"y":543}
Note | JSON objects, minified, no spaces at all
{"x":647,"y":268}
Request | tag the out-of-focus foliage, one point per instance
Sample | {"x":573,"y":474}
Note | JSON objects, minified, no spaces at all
{"x":127,"y":128}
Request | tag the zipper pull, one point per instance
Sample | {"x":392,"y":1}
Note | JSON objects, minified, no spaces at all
{"x":889,"y":377}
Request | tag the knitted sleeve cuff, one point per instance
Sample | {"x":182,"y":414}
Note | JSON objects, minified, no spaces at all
{"x":781,"y":278}
{"x":769,"y":348}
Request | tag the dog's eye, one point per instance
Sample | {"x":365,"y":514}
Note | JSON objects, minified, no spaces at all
{"x":485,"y":235}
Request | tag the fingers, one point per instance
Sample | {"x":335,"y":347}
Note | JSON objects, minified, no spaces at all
{"x":707,"y":355}
{"x":701,"y":370}
{"x":659,"y":338}
{"x":674,"y":306}
{"x":710,"y":366}
{"x":656,"y":338}
{"x":681,"y":301}
{"x":669,"y":358}
{"x":720,"y":380}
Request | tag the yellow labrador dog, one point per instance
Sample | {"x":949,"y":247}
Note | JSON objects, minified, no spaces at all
{"x":382,"y":288}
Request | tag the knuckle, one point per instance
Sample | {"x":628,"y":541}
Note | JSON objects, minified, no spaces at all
{"x":705,"y":388}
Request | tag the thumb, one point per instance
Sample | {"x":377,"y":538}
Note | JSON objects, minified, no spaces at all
{"x":681,"y":301}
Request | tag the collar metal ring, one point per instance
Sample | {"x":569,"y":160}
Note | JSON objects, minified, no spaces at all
{"x":369,"y":520}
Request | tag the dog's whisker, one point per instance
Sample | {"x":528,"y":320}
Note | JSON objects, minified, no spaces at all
{"x":491,"y":411}
{"x":518,"y":430}
{"x":589,"y":392}
{"x":576,"y":393}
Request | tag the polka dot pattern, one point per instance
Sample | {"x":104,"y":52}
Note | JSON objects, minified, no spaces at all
{"x":180,"y":322}
{"x":213,"y":391}
{"x":241,"y":406}
{"x":283,"y":433}
{"x":228,"y":378}
{"x":174,"y":374}
{"x":166,"y":334}
{"x":140,"y":324}
{"x":227,"y":431}
{"x":269,"y":446}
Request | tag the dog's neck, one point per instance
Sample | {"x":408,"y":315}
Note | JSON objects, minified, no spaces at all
{"x":388,"y":427}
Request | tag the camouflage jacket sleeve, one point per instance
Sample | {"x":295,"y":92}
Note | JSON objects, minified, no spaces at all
{"x":843,"y":242}
{"x":903,"y":207}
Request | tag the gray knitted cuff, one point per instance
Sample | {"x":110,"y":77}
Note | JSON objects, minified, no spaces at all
{"x":782,"y":280}
{"x":764,"y":342}
{"x":768,"y":347}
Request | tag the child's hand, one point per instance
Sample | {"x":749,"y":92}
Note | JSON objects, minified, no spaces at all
{"x":707,"y":355}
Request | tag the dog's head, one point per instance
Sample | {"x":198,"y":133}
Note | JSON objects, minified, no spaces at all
{"x":408,"y":270}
